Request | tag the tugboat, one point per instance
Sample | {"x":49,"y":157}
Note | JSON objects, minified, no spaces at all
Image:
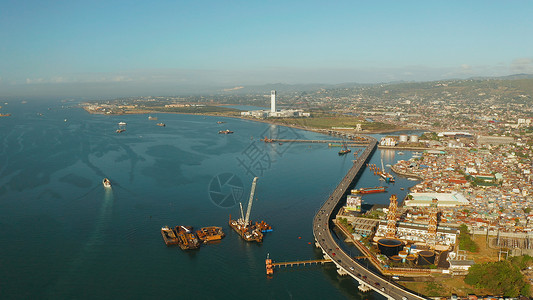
{"x":344,"y":149}
{"x":106,"y":183}
{"x":243,"y":226}
{"x":227,"y":131}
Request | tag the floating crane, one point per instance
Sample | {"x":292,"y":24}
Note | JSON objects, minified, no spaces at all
{"x":244,"y":227}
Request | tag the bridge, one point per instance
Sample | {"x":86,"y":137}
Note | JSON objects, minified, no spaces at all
{"x":348,"y":142}
{"x":347,"y":265}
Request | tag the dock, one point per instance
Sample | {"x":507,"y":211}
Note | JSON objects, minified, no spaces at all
{"x":300,"y":263}
{"x":362,"y":142}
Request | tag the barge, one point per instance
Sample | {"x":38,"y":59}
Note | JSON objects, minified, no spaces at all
{"x":210,"y":234}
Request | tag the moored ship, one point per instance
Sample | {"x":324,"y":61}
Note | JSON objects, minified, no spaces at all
{"x":169,"y":236}
{"x":372,"y":190}
{"x":187,"y":240}
{"x":210,"y":234}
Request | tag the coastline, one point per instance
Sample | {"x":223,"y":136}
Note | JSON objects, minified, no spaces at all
{"x":273,"y":122}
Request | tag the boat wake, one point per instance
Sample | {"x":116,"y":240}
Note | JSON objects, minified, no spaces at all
{"x":65,"y":285}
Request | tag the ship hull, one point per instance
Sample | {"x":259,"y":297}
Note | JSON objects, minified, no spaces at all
{"x":253,"y":236}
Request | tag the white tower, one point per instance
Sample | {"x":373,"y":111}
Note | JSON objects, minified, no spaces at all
{"x":273,"y":101}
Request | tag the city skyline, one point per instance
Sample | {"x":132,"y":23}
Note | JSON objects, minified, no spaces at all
{"x":122,"y":48}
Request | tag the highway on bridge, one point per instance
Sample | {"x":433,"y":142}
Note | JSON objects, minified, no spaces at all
{"x":322,"y":232}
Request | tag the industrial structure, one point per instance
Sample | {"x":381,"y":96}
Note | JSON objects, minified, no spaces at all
{"x":273,"y":101}
{"x":274,"y":112}
{"x":391,"y":217}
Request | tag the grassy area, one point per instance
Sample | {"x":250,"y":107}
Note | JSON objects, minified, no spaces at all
{"x":465,"y":242}
{"x":198,"y":109}
{"x":327,"y":121}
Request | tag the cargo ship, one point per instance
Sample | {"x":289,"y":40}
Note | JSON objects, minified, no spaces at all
{"x":372,"y":190}
{"x":169,"y":236}
{"x":187,"y":240}
{"x":227,"y":131}
{"x":106,"y":183}
{"x":210,"y":234}
{"x":244,"y":227}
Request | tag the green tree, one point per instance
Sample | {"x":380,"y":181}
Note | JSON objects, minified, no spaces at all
{"x":503,"y":277}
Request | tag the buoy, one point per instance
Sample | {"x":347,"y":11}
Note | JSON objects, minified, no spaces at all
{"x":299,"y":237}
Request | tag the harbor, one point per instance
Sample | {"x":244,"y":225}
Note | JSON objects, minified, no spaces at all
{"x":151,"y":188}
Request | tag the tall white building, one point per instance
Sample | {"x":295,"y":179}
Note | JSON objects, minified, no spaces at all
{"x":273,"y":101}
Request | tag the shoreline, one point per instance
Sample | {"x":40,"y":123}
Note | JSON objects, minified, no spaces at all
{"x":317,"y":130}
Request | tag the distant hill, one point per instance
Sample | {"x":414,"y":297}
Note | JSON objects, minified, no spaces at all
{"x":398,"y":85}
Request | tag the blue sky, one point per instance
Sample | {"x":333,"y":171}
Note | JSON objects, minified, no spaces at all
{"x":54,"y":45}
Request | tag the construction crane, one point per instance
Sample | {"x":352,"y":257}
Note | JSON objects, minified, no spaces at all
{"x":249,"y":208}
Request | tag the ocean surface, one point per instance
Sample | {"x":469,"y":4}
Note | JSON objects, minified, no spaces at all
{"x":63,"y":236}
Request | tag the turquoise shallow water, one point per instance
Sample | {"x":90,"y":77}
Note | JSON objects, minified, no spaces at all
{"x":63,"y":236}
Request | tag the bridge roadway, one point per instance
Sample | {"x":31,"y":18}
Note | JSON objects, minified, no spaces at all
{"x":346,"y":264}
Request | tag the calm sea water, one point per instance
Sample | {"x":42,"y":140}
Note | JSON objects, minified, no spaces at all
{"x":63,"y":236}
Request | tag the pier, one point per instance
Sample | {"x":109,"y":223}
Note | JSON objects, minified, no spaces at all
{"x":348,"y":142}
{"x":300,"y":263}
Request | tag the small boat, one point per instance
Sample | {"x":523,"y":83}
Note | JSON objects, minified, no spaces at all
{"x":152,"y":118}
{"x":221,"y":122}
{"x":400,"y":153}
{"x":120,"y":130}
{"x":161,"y":124}
{"x":402,"y":189}
{"x":227,"y":131}
{"x":106,"y":183}
{"x":122,"y":123}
